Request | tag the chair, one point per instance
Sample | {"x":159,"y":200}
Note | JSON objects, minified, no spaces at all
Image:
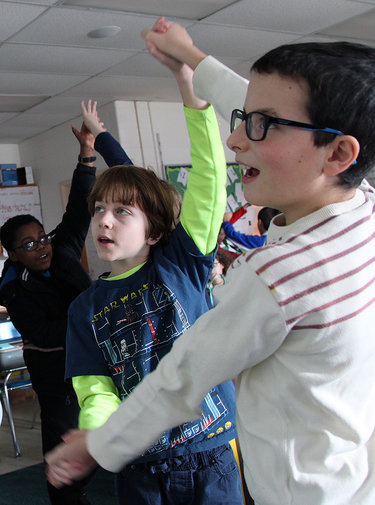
{"x":13,"y":372}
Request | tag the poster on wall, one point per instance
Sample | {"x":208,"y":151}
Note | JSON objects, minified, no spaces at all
{"x":16,"y":200}
{"x":177,"y":176}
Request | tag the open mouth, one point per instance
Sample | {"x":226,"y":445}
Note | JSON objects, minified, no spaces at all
{"x":251,"y":172}
{"x":105,"y":240}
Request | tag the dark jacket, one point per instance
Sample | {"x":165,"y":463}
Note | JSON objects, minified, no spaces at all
{"x":38,"y":305}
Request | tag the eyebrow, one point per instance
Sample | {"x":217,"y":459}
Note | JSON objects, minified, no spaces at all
{"x":29,"y":238}
{"x":268,"y":112}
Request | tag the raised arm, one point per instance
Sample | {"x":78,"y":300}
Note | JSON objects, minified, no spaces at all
{"x":213,"y":81}
{"x":106,"y":145}
{"x":205,"y":197}
{"x":73,"y":228}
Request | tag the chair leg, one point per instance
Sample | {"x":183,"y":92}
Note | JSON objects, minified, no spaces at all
{"x":8,"y":410}
{"x":35,"y":411}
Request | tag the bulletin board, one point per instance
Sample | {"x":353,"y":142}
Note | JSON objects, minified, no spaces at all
{"x":177,"y":176}
{"x":16,"y":200}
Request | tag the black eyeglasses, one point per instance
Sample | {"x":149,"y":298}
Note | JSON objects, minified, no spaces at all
{"x":33,"y":244}
{"x":257,"y":124}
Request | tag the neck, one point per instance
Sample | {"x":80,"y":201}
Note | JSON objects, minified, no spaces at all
{"x":121,"y":267}
{"x":292,"y":214}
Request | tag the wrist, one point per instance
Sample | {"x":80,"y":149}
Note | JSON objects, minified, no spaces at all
{"x":193,"y":57}
{"x":86,"y":159}
{"x":95,"y":128}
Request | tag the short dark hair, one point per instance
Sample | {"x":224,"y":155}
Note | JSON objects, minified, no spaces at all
{"x":266,"y":214}
{"x":341,"y":79}
{"x":133,"y":185}
{"x":9,"y":229}
{"x":226,"y":259}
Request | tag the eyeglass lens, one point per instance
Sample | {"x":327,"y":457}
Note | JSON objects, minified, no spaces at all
{"x":31,"y":246}
{"x":256,"y":124}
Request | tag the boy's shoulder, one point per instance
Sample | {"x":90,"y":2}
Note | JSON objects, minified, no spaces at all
{"x":336,"y":226}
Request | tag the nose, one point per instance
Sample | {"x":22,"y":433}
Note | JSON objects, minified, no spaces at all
{"x":238,"y":140}
{"x":39,"y":245}
{"x":105,"y":220}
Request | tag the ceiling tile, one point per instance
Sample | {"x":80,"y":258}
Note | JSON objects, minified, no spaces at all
{"x":18,"y":102}
{"x":140,"y":64}
{"x":15,"y":16}
{"x":240,"y":43}
{"x":38,"y":121}
{"x":57,"y":59}
{"x":39,"y":2}
{"x":126,"y":88}
{"x":37,"y":84}
{"x":330,"y":38}
{"x":5,"y":116}
{"x":68,"y":106}
{"x":361,"y":27}
{"x":295,"y":16}
{"x":13,"y":134}
{"x":69,"y":27}
{"x":191,"y":9}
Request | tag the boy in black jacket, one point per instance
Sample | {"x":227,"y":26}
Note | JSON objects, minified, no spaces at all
{"x":42,"y":277}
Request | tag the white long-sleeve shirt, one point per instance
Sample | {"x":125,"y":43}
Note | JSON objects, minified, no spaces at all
{"x":295,"y":324}
{"x":220,"y":86}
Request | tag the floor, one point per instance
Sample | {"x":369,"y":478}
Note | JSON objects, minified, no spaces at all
{"x":29,"y":438}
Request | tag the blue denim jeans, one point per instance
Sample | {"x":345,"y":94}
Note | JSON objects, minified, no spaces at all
{"x":204,"y":478}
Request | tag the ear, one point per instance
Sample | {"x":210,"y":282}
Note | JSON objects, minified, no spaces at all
{"x":153,"y":241}
{"x":13,"y":256}
{"x":342,"y":152}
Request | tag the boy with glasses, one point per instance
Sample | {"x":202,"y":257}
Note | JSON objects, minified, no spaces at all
{"x":40,"y":279}
{"x":302,"y":341}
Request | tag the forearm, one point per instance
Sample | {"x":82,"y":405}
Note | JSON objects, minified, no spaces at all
{"x":72,"y":230}
{"x":220,"y":86}
{"x":111,"y":150}
{"x":205,"y":198}
{"x":98,"y":398}
{"x":191,"y":55}
{"x":184,"y":78}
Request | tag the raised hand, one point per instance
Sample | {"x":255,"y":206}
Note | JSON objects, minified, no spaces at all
{"x":90,"y":117}
{"x":173,"y":40}
{"x":86,"y":140}
{"x":182,"y":72}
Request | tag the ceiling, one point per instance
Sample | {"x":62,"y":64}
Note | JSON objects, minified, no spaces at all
{"x":48,"y":64}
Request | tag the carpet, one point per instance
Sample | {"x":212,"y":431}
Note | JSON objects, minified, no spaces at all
{"x":28,"y":487}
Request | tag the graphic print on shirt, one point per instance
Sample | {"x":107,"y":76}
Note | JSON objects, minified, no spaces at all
{"x":134,"y":331}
